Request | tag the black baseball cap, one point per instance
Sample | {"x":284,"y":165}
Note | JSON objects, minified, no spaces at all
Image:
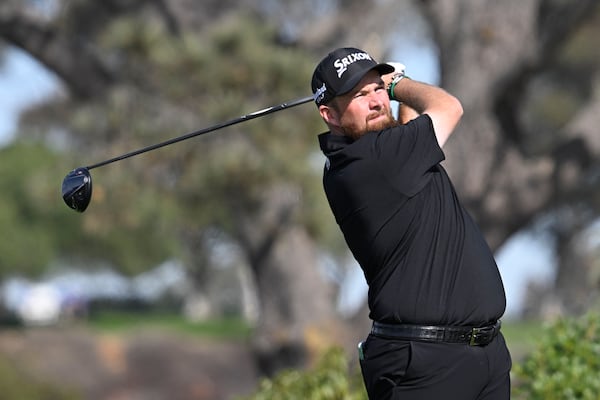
{"x":340,"y":71}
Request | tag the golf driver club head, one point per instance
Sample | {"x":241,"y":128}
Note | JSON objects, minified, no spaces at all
{"x":77,"y":189}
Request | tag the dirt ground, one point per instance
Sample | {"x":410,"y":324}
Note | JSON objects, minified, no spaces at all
{"x":140,"y":366}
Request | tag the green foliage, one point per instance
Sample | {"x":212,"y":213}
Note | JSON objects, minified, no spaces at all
{"x":38,"y":229}
{"x":154,"y":207}
{"x":16,"y":385}
{"x":230,"y":68}
{"x":34,"y":224}
{"x":565,"y":364}
{"x":331,"y":379}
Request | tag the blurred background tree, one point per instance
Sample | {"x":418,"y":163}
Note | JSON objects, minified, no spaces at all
{"x":137,"y":72}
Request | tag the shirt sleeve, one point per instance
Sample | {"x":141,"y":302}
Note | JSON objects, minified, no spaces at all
{"x":408,"y":153}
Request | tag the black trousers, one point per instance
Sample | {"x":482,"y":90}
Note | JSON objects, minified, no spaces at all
{"x":410,"y":370}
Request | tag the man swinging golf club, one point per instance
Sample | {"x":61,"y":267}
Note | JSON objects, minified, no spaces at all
{"x":435,"y":293}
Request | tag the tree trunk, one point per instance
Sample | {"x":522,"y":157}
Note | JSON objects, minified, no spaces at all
{"x":489,"y":51}
{"x":297,"y":315}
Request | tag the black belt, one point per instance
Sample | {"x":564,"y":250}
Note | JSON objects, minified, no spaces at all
{"x":479,"y":336}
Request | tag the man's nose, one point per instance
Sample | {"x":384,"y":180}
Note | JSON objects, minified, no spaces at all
{"x":375,"y":102}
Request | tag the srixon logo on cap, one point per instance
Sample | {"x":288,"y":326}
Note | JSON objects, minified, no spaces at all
{"x":320,"y":93}
{"x":341,"y":64}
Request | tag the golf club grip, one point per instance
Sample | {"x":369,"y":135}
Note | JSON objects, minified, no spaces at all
{"x":256,"y":114}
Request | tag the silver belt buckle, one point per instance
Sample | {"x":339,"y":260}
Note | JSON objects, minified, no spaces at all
{"x":477,"y":332}
{"x":474,"y":333}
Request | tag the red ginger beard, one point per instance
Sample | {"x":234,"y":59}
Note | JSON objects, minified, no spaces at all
{"x":354,"y":131}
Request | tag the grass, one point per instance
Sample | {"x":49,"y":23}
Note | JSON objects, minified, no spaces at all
{"x":521,"y":336}
{"x":124,"y":321}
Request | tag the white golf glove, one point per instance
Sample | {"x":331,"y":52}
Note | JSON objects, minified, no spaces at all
{"x":398,"y":67}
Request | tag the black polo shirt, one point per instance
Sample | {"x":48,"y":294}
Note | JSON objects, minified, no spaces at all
{"x":423,"y":257}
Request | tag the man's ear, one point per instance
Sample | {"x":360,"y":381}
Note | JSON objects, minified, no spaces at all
{"x":330,"y":115}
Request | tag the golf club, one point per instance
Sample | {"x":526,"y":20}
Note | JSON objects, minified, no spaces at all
{"x":77,"y":185}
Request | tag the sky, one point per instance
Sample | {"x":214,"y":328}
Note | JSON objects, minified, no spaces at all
{"x":23,"y":81}
{"x":524,"y":257}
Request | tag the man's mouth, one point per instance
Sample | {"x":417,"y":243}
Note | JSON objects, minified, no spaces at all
{"x":375,"y":116}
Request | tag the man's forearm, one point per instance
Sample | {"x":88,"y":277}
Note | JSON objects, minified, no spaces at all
{"x":443,"y":108}
{"x":422,"y":96}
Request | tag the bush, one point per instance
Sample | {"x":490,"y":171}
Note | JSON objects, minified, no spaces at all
{"x":565,"y":364}
{"x":331,"y":379}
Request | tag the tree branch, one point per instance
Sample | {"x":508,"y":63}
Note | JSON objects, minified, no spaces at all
{"x":85,"y":75}
{"x":53,"y":42}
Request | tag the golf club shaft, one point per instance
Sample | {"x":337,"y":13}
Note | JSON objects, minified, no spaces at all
{"x":234,"y":121}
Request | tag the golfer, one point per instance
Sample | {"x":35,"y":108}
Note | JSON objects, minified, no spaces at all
{"x":435,"y":293}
